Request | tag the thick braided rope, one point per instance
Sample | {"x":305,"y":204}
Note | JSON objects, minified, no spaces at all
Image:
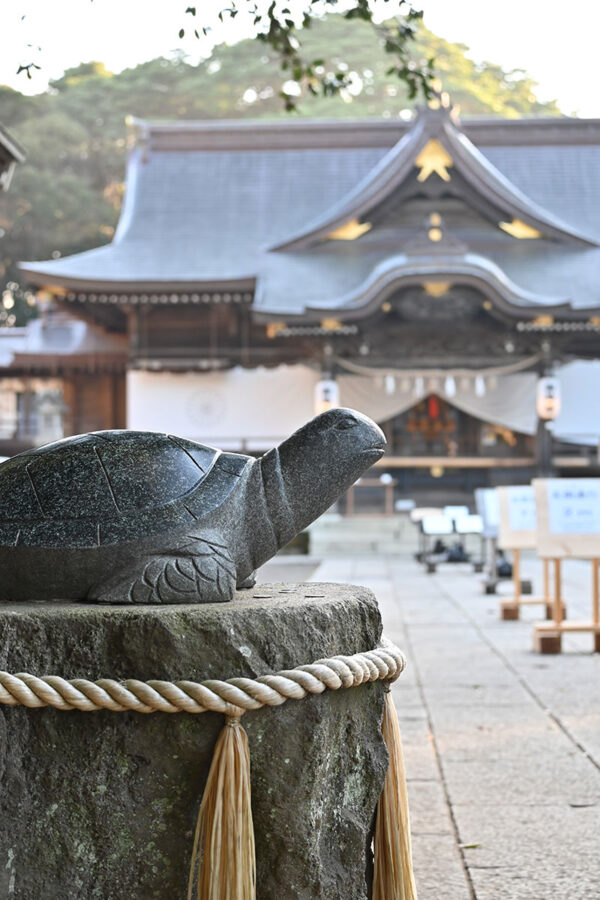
{"x":232,"y":697}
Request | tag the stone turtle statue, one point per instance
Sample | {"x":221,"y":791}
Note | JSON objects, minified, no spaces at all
{"x":141,"y":517}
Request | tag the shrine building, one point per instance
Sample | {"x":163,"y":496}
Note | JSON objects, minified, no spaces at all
{"x":427,"y":271}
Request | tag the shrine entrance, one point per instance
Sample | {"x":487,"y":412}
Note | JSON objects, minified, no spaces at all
{"x":435,"y":428}
{"x":438,"y":454}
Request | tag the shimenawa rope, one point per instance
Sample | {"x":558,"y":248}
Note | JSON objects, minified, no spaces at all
{"x":232,"y":697}
{"x":223,"y":859}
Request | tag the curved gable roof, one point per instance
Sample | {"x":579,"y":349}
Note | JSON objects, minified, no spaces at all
{"x":399,"y":163}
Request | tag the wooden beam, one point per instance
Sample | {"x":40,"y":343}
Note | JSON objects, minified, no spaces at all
{"x":454,"y":462}
{"x":473,"y":462}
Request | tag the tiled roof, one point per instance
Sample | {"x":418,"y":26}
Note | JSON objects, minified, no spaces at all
{"x":198,"y":218}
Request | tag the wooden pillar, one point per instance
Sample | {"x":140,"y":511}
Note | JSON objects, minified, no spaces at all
{"x":544,"y":450}
{"x":517,"y":574}
{"x":509,"y":608}
{"x":389,"y":499}
{"x":596,"y":603}
{"x":546,"y":594}
{"x":26,"y":424}
{"x":595,"y":592}
{"x":350,"y":501}
{"x":558,"y":601}
{"x":119,"y":410}
{"x":134,"y":330}
{"x":70,"y":404}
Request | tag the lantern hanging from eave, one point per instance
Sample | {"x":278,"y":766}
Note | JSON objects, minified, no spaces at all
{"x":327,"y":395}
{"x":548,"y":398}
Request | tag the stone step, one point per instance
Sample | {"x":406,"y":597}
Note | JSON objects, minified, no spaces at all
{"x":337,"y":536}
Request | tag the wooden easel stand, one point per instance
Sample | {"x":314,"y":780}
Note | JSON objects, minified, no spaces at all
{"x":547,"y":636}
{"x":509,"y":608}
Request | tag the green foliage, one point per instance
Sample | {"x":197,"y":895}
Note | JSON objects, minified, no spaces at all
{"x":66,"y":197}
{"x":284,"y":30}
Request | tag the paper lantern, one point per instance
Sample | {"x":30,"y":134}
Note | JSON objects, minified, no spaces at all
{"x":327,"y":395}
{"x":548,"y":398}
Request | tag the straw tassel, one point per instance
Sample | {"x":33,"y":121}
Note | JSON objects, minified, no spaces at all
{"x":393,"y":876}
{"x":223,"y":854}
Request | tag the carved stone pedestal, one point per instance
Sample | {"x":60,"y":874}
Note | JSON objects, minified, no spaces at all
{"x":103,"y":805}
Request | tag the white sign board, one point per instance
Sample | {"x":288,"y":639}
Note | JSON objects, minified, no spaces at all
{"x":455,"y":512}
{"x":574,"y":505}
{"x":569,"y":517}
{"x":521,"y":508}
{"x":471,"y":524}
{"x":435,"y":525}
{"x":486,"y":501}
{"x":517,"y":527}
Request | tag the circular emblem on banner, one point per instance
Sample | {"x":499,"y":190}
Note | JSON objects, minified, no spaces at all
{"x":206,"y":409}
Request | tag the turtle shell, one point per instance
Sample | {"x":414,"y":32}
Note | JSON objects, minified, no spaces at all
{"x":107,"y":482}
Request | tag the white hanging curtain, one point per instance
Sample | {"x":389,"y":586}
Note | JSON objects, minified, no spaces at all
{"x":509,"y":400}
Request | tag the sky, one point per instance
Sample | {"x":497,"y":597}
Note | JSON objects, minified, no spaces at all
{"x":554,"y":41}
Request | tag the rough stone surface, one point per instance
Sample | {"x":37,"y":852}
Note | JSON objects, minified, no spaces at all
{"x":103,"y":805}
{"x":140,"y":517}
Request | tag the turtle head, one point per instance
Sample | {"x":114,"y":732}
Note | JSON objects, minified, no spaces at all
{"x":324,"y":458}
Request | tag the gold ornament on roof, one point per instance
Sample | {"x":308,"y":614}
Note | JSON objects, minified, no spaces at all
{"x":350,"y":231}
{"x":433,"y":158}
{"x":331,"y":324}
{"x":436,"y":288}
{"x":274,"y":328}
{"x":434,"y":228}
{"x":520,"y":230}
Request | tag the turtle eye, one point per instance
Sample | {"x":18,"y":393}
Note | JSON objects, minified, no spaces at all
{"x":346,"y":423}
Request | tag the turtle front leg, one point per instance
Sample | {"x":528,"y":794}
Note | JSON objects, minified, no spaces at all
{"x":208,"y":576}
{"x":248,"y":582}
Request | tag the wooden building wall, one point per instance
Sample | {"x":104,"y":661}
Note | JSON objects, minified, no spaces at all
{"x":94,"y":402}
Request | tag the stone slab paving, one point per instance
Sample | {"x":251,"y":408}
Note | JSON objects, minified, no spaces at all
{"x":502,"y":745}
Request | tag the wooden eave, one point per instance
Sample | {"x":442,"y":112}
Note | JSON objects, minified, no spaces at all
{"x":509,"y":299}
{"x":83,"y":289}
{"x":68,"y":363}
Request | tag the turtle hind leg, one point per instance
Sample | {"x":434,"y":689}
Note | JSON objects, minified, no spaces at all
{"x":203,"y":578}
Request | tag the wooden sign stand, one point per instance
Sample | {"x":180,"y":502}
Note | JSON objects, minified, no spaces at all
{"x":568,"y":527}
{"x":517,"y":532}
{"x":510,"y":606}
{"x":547,"y":636}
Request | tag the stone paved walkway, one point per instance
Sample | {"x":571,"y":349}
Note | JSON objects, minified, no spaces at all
{"x":502,"y":745}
